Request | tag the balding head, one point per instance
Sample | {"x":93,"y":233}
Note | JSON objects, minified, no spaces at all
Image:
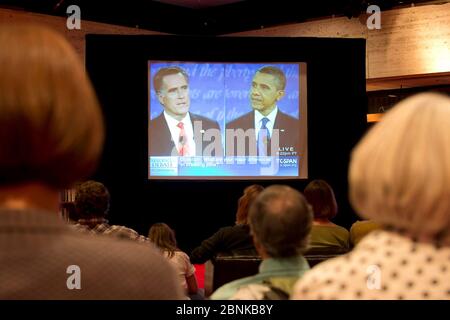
{"x":280,"y":220}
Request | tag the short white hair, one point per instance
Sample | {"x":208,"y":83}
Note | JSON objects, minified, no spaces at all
{"x":399,"y":172}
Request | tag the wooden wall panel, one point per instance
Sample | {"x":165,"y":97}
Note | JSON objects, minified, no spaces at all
{"x":76,"y":37}
{"x":411,"y":49}
{"x":412,"y":41}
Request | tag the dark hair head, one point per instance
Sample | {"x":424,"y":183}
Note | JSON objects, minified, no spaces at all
{"x":280,"y":220}
{"x":244,"y":202}
{"x":159,"y":76}
{"x":92,"y":200}
{"x":163,"y":237}
{"x":51,"y":126}
{"x":277,"y":73}
{"x":320,"y":196}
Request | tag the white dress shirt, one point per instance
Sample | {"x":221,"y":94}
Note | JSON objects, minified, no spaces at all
{"x":175,"y":131}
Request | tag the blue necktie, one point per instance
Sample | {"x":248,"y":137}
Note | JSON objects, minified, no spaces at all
{"x":263,"y":138}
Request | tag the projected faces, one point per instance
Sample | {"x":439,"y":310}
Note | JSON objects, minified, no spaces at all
{"x":174,"y":95}
{"x":264,"y":92}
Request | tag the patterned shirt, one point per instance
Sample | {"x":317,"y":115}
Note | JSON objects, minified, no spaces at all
{"x":101,"y":226}
{"x":384,"y":265}
{"x":37,"y":248}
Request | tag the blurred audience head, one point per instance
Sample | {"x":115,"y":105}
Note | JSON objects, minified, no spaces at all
{"x":51,"y":127}
{"x":161,"y":235}
{"x":92,"y":200}
{"x":244,"y":202}
{"x":320,"y":196}
{"x":280,"y":221}
{"x":400,"y":171}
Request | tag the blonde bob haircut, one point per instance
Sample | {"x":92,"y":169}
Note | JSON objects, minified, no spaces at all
{"x":399,"y":172}
{"x":51,"y":127}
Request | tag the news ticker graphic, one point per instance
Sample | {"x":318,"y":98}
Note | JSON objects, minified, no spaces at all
{"x":283,"y":166}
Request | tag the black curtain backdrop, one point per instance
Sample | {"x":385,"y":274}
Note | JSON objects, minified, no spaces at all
{"x":117,"y":65}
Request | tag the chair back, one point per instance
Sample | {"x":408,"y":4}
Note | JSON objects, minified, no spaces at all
{"x":228,"y":268}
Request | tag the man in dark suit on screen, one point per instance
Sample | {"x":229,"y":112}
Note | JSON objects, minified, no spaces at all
{"x":176,"y":131}
{"x":265,"y":130}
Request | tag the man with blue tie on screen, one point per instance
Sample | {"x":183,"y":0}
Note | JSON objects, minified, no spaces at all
{"x":176,"y":131}
{"x":266,"y":120}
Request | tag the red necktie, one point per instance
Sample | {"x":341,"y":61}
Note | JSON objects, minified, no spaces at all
{"x":183,"y":145}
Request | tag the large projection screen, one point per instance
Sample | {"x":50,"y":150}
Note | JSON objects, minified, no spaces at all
{"x":227,"y":120}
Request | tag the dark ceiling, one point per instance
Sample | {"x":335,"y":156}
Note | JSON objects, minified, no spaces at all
{"x":207,"y":17}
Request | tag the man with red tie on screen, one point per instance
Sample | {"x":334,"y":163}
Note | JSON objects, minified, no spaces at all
{"x":266,"y":127}
{"x":176,"y":131}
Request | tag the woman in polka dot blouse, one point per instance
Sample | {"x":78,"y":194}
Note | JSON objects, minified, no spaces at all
{"x":399,"y":176}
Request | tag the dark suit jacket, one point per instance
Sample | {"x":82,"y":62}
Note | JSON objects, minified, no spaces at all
{"x":287,"y":125}
{"x":160,"y":140}
{"x":235,"y":240}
